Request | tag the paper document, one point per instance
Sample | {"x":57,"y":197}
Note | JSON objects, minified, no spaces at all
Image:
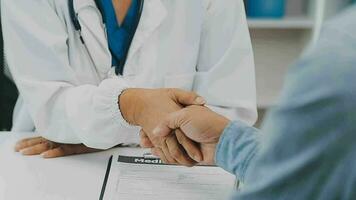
{"x":141,"y":178}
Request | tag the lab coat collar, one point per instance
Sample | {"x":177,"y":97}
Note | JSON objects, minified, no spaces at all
{"x":94,"y":36}
{"x":80,"y":4}
{"x":154,"y":12}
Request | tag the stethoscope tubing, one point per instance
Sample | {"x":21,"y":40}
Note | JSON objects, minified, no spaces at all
{"x":78,"y":27}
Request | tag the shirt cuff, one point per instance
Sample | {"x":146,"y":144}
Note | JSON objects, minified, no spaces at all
{"x":237,"y":147}
{"x":115,"y":111}
{"x":107,"y":118}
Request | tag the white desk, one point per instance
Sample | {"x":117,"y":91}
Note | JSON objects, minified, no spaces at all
{"x":3,"y":136}
{"x":33,"y":178}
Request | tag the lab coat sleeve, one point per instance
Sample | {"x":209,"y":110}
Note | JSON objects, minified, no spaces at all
{"x":226,"y":74}
{"x":62,"y":107}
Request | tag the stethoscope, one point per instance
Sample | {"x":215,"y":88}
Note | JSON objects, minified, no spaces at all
{"x":78,"y":27}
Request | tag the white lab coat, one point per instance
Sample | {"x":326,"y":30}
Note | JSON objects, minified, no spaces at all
{"x":69,"y":92}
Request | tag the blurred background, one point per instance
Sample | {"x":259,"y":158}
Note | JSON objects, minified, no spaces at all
{"x":8,"y":91}
{"x":280,"y":31}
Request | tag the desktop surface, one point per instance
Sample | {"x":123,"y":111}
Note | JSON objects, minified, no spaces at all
{"x":70,"y":178}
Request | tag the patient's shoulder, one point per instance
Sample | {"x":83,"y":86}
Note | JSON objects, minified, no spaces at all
{"x":328,"y":69}
{"x":344,"y":22}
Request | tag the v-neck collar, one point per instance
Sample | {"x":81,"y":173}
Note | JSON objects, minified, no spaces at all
{"x":153,"y":14}
{"x":117,"y":5}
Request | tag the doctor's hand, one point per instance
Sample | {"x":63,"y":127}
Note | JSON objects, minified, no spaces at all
{"x":147,"y":107}
{"x":49,"y":149}
{"x":199,"y":124}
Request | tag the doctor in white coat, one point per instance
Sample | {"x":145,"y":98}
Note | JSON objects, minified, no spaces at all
{"x":69,"y":91}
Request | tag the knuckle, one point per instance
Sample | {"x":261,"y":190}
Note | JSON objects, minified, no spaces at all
{"x":47,"y":144}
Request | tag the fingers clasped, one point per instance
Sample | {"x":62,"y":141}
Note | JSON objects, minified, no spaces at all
{"x":175,"y":148}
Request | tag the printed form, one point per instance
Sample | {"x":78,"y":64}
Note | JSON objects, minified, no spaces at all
{"x":140,"y":178}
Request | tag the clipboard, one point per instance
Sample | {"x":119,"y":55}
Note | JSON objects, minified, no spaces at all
{"x":147,"y":177}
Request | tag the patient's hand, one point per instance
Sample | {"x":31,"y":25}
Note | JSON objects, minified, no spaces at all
{"x":199,"y":124}
{"x":49,"y":149}
{"x":147,"y":107}
{"x":178,"y":146}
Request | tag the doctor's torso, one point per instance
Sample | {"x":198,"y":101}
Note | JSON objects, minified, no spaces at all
{"x":164,"y":48}
{"x":69,"y":90}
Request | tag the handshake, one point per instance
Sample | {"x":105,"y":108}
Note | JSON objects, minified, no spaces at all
{"x":174,"y":123}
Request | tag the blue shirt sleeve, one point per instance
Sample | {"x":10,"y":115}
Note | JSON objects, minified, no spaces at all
{"x":307,"y":145}
{"x":237,"y":148}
